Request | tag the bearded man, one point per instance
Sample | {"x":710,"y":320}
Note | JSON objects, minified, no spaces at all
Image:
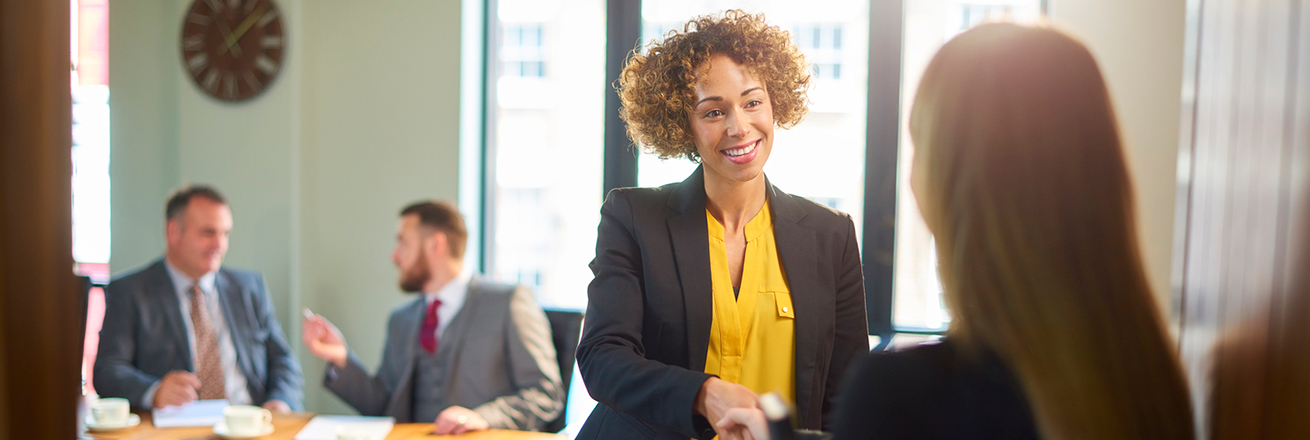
{"x":467,"y":354}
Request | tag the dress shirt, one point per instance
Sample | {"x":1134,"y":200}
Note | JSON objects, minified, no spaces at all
{"x":452,"y":299}
{"x":752,"y":335}
{"x":234,"y":381}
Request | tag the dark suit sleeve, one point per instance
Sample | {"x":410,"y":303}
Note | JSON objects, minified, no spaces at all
{"x":284,"y":380}
{"x":115,"y":374}
{"x":354,"y":386}
{"x":367,"y":394}
{"x":852,"y":336}
{"x":611,"y":356}
{"x":533,"y":370}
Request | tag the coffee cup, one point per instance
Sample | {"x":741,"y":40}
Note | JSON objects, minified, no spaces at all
{"x":353,"y":433}
{"x":110,"y":411}
{"x":246,"y":420}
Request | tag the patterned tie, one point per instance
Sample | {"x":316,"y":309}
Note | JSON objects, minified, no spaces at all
{"x":428,"y":335}
{"x":208,"y":364}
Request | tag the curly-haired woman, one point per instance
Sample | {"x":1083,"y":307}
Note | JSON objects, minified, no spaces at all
{"x":710,"y":291}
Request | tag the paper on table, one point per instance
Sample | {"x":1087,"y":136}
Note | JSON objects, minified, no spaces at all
{"x":325,"y":427}
{"x":198,"y":413}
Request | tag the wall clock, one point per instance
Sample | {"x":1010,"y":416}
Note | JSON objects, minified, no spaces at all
{"x":233,"y":49}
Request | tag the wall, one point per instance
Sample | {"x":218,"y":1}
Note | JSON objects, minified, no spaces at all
{"x":1139,"y":46}
{"x":357,"y":124}
{"x":381,"y":130}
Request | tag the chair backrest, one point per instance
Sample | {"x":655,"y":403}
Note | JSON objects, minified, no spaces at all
{"x":565,"y":329}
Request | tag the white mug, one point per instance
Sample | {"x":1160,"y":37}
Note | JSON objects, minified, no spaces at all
{"x":353,"y":433}
{"x":109,"y":411}
{"x":246,"y":420}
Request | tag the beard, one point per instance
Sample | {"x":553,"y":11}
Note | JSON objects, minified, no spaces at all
{"x":414,"y":277}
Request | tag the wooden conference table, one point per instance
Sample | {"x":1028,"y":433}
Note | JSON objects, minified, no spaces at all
{"x":286,"y":426}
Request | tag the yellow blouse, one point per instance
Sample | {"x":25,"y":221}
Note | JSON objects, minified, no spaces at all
{"x":752,"y":336}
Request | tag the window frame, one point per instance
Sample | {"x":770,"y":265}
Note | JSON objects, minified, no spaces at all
{"x":620,"y":161}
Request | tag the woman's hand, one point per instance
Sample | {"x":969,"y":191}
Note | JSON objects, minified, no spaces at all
{"x":717,"y":396}
{"x":743,"y":423}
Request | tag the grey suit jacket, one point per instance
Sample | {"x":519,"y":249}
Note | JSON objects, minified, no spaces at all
{"x":496,"y":357}
{"x":144,"y":337}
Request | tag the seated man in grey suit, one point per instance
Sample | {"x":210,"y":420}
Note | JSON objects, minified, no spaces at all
{"x":186,"y":328}
{"x":467,"y":354}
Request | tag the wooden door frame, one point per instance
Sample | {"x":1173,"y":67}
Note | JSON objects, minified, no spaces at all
{"x":39,"y":303}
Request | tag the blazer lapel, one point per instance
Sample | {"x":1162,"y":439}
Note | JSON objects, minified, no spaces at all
{"x":453,"y":336}
{"x":691,"y":253}
{"x":167,"y":298}
{"x":238,"y":327}
{"x":411,"y":320}
{"x":801,"y":266}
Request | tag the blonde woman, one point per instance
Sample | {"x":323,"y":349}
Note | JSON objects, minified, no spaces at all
{"x":713,"y":290}
{"x":1055,"y":334}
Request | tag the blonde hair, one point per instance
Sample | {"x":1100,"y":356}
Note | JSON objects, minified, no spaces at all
{"x":1027,"y":193}
{"x":1261,"y":376}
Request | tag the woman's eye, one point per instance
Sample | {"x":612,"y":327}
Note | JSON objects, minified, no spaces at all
{"x":713,"y":114}
{"x":753,"y":103}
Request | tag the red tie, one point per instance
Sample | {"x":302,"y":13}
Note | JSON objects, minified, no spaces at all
{"x":428,"y":336}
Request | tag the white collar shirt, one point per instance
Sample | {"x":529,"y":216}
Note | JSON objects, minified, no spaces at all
{"x":452,"y":300}
{"x":234,"y":380}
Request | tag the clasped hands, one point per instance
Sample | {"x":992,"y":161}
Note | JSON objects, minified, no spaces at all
{"x":733,"y":409}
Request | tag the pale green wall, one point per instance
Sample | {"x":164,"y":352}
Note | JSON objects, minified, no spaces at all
{"x":363,"y":118}
{"x":382,"y":132}
{"x":143,"y":101}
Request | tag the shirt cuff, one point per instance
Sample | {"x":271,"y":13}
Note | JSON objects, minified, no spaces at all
{"x":148,"y":399}
{"x":330,"y":375}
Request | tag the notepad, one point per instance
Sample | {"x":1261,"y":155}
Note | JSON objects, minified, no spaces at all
{"x":197,"y":413}
{"x":325,"y":427}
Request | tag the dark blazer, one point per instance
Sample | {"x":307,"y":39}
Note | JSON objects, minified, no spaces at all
{"x":932,"y":392}
{"x":647,"y":327}
{"x":496,"y":357}
{"x":144,"y":337}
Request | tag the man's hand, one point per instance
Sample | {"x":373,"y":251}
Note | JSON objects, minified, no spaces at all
{"x":717,"y":396}
{"x":323,"y":339}
{"x":176,"y":388}
{"x":277,"y":406}
{"x":457,"y":420}
{"x":743,"y":423}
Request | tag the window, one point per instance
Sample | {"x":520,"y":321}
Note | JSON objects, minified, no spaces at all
{"x":552,"y":147}
{"x":543,"y":150}
{"x":522,"y":51}
{"x":89,"y":83}
{"x":822,"y":44}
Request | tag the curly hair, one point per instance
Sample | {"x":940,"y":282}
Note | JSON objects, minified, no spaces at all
{"x":657,"y":88}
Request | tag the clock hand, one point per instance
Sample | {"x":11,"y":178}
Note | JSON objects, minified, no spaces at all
{"x":250,"y":20}
{"x":227,"y":37}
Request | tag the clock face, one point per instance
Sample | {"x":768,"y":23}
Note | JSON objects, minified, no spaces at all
{"x":233,"y":49}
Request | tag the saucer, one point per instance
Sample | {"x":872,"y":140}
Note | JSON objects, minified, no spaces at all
{"x":221,"y":430}
{"x":132,"y":421}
